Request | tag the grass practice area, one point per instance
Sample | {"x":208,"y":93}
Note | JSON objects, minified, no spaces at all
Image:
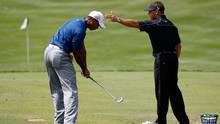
{"x":26,"y":96}
{"x":118,"y":56}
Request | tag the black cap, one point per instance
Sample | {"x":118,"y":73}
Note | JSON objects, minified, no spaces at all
{"x":155,"y":5}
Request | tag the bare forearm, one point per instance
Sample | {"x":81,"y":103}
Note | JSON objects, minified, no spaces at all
{"x":80,"y":57}
{"x":129,"y":22}
{"x":178,"y":50}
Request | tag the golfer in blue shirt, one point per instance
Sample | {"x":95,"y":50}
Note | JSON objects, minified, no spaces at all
{"x":58,"y":59}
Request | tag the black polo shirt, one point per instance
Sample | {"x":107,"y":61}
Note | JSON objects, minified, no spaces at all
{"x":163,"y":34}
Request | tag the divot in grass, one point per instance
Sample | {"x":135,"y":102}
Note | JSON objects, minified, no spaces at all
{"x":36,"y":120}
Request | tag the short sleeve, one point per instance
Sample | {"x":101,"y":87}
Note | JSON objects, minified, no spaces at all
{"x":78,"y":39}
{"x":176,"y":36}
{"x":145,"y":26}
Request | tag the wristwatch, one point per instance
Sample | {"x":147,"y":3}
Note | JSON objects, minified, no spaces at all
{"x":118,"y":19}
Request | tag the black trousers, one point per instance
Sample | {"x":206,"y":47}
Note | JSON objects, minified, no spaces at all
{"x":166,"y":88}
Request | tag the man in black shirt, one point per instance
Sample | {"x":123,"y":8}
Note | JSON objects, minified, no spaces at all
{"x":166,"y":46}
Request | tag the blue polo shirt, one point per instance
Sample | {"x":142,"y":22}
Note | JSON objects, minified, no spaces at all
{"x":70,"y":36}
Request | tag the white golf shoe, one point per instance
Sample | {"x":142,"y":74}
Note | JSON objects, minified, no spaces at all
{"x":149,"y":122}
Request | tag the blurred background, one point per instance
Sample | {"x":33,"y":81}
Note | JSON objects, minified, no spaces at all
{"x":116,"y":48}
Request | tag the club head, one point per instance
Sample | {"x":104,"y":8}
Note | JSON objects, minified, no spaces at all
{"x":119,"y":99}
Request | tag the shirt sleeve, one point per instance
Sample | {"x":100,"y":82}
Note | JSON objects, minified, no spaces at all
{"x":145,"y":26}
{"x":78,"y":40}
{"x":176,"y":36}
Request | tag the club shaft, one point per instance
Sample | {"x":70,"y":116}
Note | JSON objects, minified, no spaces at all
{"x":106,"y":90}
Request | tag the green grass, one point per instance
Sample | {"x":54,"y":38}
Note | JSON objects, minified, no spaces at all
{"x":116,"y":48}
{"x":118,"y":56}
{"x":26,"y":95}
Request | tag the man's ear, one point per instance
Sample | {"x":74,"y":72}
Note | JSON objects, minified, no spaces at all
{"x":157,"y":11}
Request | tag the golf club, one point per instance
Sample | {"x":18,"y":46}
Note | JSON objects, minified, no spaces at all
{"x":116,"y":99}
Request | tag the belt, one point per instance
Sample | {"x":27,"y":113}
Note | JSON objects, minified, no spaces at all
{"x":54,"y":46}
{"x":164,"y":52}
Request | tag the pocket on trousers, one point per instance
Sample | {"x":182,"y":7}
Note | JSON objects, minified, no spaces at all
{"x":56,"y":60}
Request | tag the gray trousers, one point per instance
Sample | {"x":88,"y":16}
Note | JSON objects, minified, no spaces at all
{"x":62,"y":80}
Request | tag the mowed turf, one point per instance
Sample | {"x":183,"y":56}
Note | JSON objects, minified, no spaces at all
{"x":26,"y":96}
{"x":119,"y":53}
{"x":116,"y":48}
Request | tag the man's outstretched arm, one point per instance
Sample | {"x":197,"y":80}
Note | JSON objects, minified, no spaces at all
{"x":127,"y":22}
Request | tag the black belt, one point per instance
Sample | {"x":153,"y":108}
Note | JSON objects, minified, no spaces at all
{"x":164,"y":52}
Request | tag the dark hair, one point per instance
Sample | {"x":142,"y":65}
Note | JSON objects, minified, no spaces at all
{"x":159,"y":5}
